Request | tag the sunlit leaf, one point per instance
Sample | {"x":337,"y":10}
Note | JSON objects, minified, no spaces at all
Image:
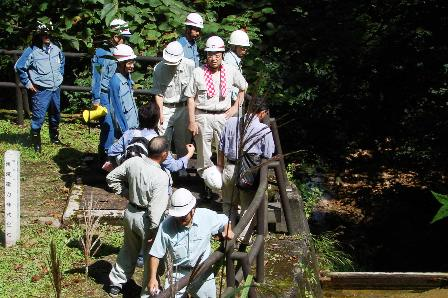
{"x":442,"y":213}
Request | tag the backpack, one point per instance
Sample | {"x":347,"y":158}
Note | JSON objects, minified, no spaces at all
{"x":249,"y":173}
{"x":138,"y":146}
{"x":248,"y":176}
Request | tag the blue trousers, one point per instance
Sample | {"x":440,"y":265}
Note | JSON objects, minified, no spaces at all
{"x":107,"y":133}
{"x":43,"y":100}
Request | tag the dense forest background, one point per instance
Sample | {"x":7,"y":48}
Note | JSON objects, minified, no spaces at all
{"x":340,"y":74}
{"x":357,"y":87}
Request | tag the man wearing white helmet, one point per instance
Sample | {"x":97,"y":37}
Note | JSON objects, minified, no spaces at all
{"x":185,"y":235}
{"x":121,"y":95}
{"x":209,"y":99}
{"x":194,"y":24}
{"x":171,"y":77}
{"x":239,"y":42}
{"x":103,"y":68}
{"x":41,"y":70}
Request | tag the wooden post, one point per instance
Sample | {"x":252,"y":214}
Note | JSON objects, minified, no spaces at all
{"x":12,"y":197}
{"x":278,"y":147}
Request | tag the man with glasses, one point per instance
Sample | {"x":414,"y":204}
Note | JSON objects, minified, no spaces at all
{"x":103,"y":68}
{"x":194,"y":24}
{"x":209,"y":100}
{"x":185,"y":235}
{"x":170,"y":79}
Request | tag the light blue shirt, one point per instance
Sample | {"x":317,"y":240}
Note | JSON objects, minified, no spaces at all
{"x":190,"y":50}
{"x":121,"y":96}
{"x":186,"y":244}
{"x":256,"y":132}
{"x":43,"y":67}
{"x":119,"y":147}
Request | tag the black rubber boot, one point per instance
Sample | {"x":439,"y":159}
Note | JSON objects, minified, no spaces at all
{"x":54,"y":136}
{"x":35,"y":137}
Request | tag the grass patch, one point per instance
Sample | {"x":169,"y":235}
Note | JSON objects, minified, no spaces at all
{"x":330,"y":255}
{"x":24,"y":269}
{"x":46,"y":177}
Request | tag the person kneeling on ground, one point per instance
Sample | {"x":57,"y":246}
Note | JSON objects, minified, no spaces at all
{"x":185,"y":235}
{"x":149,"y":116}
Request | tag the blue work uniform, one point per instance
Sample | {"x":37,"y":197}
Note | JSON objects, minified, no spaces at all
{"x":43,"y":68}
{"x":103,"y":68}
{"x":190,"y":50}
{"x":186,"y":244}
{"x":121,"y":96}
{"x":118,"y":148}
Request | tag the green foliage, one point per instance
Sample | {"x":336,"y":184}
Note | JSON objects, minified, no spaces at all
{"x":311,"y":196}
{"x":23,"y":270}
{"x":78,"y":101}
{"x":311,"y":193}
{"x":329,"y":254}
{"x":443,"y":211}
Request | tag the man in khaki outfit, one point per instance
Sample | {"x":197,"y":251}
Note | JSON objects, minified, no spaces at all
{"x":209,"y":99}
{"x":146,"y":185}
{"x":170,"y":79}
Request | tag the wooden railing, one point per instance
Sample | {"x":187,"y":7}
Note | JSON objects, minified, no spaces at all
{"x":21,"y":93}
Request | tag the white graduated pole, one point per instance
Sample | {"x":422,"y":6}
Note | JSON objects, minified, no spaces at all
{"x":12,"y":197}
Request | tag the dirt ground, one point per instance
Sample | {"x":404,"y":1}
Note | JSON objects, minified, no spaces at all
{"x":381,"y":211}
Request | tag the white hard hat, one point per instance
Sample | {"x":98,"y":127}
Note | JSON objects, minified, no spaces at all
{"x":215,"y":44}
{"x":123,"y":52}
{"x":182,"y":201}
{"x":121,"y":25}
{"x":195,"y":20}
{"x":44,"y":27}
{"x":212,"y":178}
{"x":173,"y":53}
{"x":239,"y":38}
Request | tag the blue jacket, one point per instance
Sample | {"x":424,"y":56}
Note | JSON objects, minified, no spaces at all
{"x":121,"y":96}
{"x":43,"y":67}
{"x":103,"y":68}
{"x":190,"y":50}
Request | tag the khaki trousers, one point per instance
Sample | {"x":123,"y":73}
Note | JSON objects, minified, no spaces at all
{"x":137,"y":232}
{"x":210,"y":126}
{"x":232,"y":196}
{"x":175,"y":128}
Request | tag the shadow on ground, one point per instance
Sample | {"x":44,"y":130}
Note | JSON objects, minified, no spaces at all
{"x":22,"y":139}
{"x":71,"y":163}
{"x":104,"y":250}
{"x":99,"y":273}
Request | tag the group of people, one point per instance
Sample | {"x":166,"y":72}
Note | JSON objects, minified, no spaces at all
{"x":191,"y":99}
